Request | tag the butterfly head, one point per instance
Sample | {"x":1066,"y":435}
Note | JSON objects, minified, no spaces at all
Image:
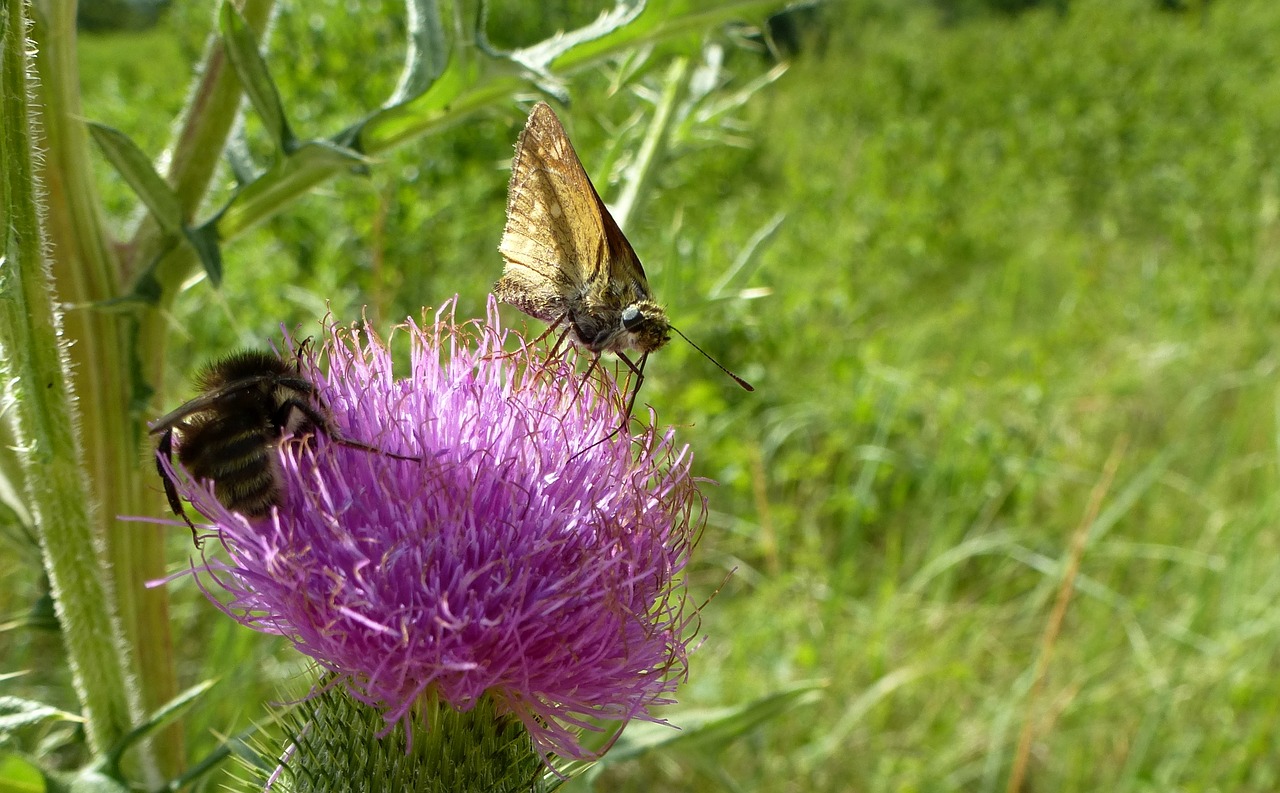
{"x":644,"y":327}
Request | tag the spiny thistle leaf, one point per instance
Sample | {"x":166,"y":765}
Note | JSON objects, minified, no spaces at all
{"x":135,"y":167}
{"x":242,"y":50}
{"x":427,"y":53}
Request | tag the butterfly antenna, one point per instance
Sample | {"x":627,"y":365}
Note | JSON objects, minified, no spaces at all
{"x":705,"y":354}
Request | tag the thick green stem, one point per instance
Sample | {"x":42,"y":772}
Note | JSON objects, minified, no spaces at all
{"x":86,"y":272}
{"x":45,"y":415}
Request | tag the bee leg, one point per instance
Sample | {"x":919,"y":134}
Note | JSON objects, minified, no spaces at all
{"x":299,"y":353}
{"x":165,"y":447}
{"x":350,"y":444}
{"x":308,"y":418}
{"x":317,"y":419}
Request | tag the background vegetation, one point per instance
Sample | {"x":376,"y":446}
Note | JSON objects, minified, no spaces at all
{"x":1025,"y":260}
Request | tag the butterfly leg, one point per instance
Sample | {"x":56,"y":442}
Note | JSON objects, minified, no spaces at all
{"x":546,"y":370}
{"x":638,"y":370}
{"x":591,"y":367}
{"x":555,"y":348}
{"x":550,"y":329}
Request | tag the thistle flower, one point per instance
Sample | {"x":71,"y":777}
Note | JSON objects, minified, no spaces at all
{"x":530,"y":556}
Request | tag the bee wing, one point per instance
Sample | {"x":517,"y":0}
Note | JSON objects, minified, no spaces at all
{"x":560,"y":243}
{"x":203,"y":402}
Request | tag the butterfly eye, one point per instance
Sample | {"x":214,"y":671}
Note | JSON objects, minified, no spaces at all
{"x":631,"y":318}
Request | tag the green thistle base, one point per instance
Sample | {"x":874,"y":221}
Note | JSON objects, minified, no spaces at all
{"x":333,"y":745}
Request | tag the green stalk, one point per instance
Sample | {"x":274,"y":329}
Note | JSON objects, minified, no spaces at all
{"x":45,"y":415}
{"x":86,"y":272}
{"x":195,"y":151}
{"x":640,"y":174}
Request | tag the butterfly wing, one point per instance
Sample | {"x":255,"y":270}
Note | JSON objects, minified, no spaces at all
{"x":621,"y":280}
{"x":563,"y":251}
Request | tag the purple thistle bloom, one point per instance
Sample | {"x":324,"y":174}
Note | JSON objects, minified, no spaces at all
{"x":526,"y":557}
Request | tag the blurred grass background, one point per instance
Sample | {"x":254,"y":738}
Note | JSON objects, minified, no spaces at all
{"x":1015,"y":242}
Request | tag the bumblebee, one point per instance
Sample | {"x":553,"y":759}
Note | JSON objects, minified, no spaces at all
{"x":249,"y":400}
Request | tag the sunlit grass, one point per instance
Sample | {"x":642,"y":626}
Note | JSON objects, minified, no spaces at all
{"x":1013,"y":246}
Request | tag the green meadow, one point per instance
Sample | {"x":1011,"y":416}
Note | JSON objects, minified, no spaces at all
{"x":1004,"y":507}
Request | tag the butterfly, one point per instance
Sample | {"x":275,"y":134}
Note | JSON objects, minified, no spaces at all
{"x":566,"y":260}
